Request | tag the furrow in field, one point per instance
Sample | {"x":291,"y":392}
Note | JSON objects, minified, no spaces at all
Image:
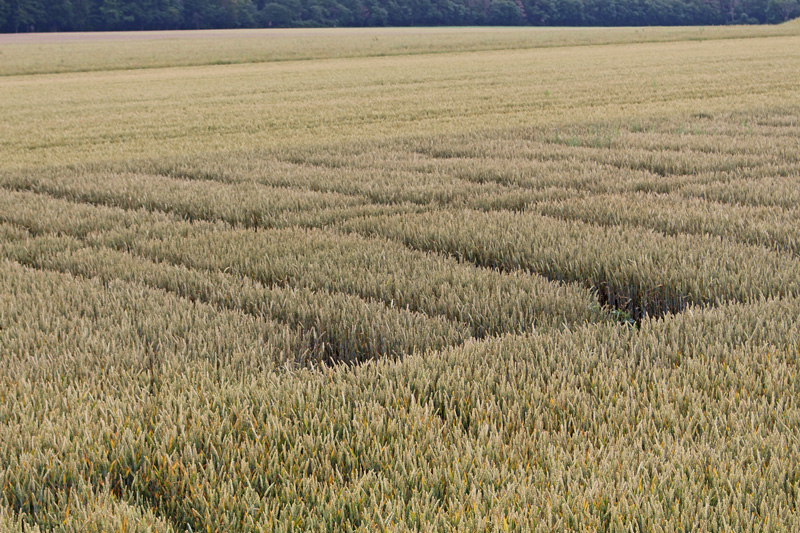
{"x":336,"y":328}
{"x":662,"y":163}
{"x":779,"y":191}
{"x":45,"y":212}
{"x":388,"y":178}
{"x":42,"y":213}
{"x":243,"y":342}
{"x":489,"y":302}
{"x":772,"y":227}
{"x":76,"y":347}
{"x":639,"y":272}
{"x":486,"y":169}
{"x":54,"y":309}
{"x":690,"y":136}
{"x":392,"y":184}
{"x":243,"y":204}
{"x":709,"y":390}
{"x":483,"y":174}
{"x":499,"y":169}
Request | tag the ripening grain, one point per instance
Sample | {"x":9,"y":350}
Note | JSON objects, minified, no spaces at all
{"x":428,"y":280}
{"x":125,"y":114}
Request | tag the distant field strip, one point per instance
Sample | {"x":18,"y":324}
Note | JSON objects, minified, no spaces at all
{"x":119,"y":115}
{"x":81,"y":52}
{"x":520,"y":281}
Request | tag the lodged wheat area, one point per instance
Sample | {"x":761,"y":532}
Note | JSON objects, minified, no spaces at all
{"x":412,"y":280}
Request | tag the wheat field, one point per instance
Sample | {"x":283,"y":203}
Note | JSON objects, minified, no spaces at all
{"x":401,"y":280}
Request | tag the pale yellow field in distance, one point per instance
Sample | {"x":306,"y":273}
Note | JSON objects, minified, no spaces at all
{"x":70,"y":52}
{"x":123,"y":114}
{"x":400,"y":280}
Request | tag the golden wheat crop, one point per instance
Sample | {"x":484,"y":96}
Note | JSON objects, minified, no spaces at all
{"x":81,"y":52}
{"x":125,"y":114}
{"x":405,"y":280}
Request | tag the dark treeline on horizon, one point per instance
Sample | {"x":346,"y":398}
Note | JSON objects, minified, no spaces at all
{"x":109,"y":15}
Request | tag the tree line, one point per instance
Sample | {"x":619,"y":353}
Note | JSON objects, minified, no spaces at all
{"x":97,"y":15}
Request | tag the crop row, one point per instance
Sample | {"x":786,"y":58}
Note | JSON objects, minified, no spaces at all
{"x":730,"y":157}
{"x":103,"y":326}
{"x":243,"y":204}
{"x":633,"y":268}
{"x":733,"y":158}
{"x":776,"y":191}
{"x":334,"y":327}
{"x":769,"y":226}
{"x":690,"y":421}
{"x":488,"y":302}
{"x":639,"y":271}
{"x":752,"y":211}
{"x":261,"y":193}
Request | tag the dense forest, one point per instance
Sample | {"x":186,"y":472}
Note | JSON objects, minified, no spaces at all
{"x":90,"y":15}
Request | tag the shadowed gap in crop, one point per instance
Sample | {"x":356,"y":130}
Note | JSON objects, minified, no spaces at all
{"x":326,"y":345}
